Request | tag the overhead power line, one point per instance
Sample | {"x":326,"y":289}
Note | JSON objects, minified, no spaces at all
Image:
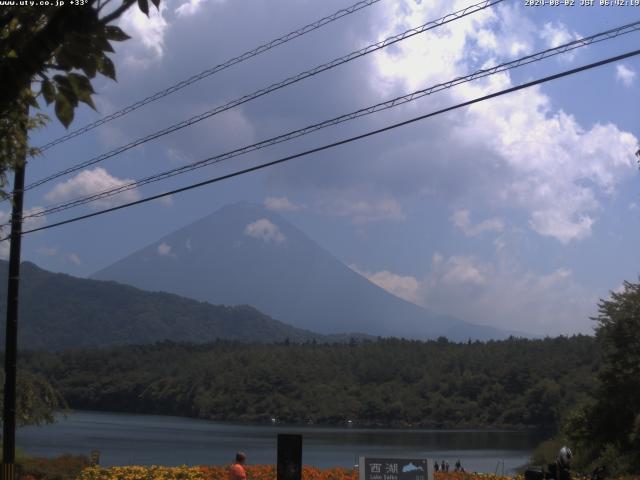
{"x":211,"y":71}
{"x":276,"y":86}
{"x":340,"y":142}
{"x":606,"y":35}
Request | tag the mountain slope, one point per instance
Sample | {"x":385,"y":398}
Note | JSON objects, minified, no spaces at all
{"x":245,"y":254}
{"x":59,"y":311}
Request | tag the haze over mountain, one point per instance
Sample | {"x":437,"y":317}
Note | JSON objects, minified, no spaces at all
{"x":246,"y":254}
{"x":58,"y":311}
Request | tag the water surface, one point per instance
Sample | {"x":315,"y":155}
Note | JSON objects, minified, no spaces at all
{"x":149,"y":439}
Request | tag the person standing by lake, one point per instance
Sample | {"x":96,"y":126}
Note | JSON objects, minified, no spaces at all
{"x":236,"y":470}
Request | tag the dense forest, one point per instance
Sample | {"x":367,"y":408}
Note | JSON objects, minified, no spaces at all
{"x":391,"y":382}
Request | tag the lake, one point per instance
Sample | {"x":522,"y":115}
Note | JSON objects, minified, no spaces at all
{"x":150,"y":439}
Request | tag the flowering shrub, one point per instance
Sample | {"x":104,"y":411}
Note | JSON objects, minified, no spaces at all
{"x":262,"y":472}
{"x":268,"y":472}
{"x":141,"y":473}
{"x":472,"y":476}
{"x":254,"y":472}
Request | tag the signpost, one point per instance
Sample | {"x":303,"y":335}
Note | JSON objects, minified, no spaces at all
{"x":377,"y":468}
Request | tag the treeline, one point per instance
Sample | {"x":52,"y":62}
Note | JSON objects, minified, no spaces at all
{"x":389,"y":382}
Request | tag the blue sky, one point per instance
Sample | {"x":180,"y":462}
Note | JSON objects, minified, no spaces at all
{"x":520,"y":212}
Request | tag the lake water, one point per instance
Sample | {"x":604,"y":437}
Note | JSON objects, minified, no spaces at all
{"x":148,"y":439}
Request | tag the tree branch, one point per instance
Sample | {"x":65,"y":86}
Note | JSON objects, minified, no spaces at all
{"x":30,"y":59}
{"x":117,"y":12}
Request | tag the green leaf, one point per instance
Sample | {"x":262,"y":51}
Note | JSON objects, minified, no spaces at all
{"x":106,"y":67}
{"x":66,"y":89}
{"x":64,"y":110}
{"x":115,"y":33}
{"x":48,"y":91}
{"x":62,"y":81}
{"x":80,"y":83}
{"x":144,"y":6}
{"x":82,"y":88}
{"x":86,"y":98}
{"x":71,"y":96}
{"x":90,"y":66}
{"x":101,"y":43}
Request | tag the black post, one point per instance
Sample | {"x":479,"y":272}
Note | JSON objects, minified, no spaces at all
{"x":289,"y":465}
{"x":11,"y":338}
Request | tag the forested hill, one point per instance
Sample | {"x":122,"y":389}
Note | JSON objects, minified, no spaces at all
{"x":511,"y":383}
{"x":59,"y":311}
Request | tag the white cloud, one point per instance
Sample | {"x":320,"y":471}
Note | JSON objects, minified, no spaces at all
{"x":46,"y":251}
{"x":191,"y":7}
{"x":500,"y":294}
{"x":462,"y":220}
{"x":74,"y":258}
{"x":460,"y":270}
{"x":188,"y":245}
{"x":281,"y":204}
{"x":625,"y":74}
{"x":164,"y":249}
{"x":147,"y":34}
{"x":265,"y":230}
{"x":558,"y":179}
{"x":88,"y":182}
{"x":556,"y":34}
{"x":509,"y":296}
{"x":505,"y":152}
{"x":32,"y":218}
{"x":403,"y":286}
{"x":557,"y":224}
{"x":444,"y":53}
{"x":360,"y":211}
{"x":423,"y":58}
{"x":29,"y":223}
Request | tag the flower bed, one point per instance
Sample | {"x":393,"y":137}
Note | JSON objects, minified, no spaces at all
{"x":254,"y":472}
{"x":260,"y":472}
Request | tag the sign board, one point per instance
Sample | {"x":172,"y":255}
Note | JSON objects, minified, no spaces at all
{"x":377,"y":468}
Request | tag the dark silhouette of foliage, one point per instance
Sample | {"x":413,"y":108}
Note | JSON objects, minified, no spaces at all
{"x":606,"y":430}
{"x":37,"y":401}
{"x":61,"y":48}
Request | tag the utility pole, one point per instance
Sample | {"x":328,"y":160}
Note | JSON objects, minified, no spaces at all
{"x":11,"y":336}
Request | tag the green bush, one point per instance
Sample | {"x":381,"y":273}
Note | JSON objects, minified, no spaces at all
{"x":64,"y":467}
{"x":546,"y":452}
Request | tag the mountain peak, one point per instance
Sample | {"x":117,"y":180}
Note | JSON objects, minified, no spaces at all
{"x":246,"y":254}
